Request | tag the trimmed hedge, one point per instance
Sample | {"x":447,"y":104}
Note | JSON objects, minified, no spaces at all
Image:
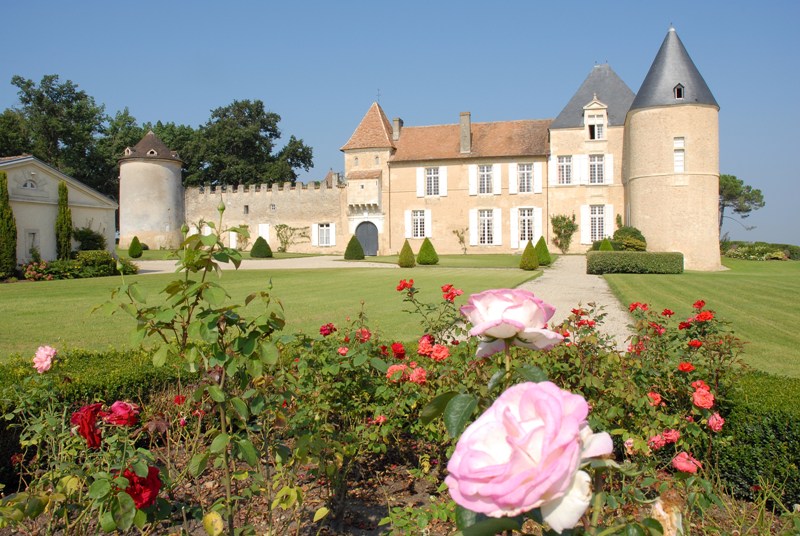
{"x":261,"y":249}
{"x":354,"y":251}
{"x":542,"y":253}
{"x":135,"y":249}
{"x":427,"y":254}
{"x":633,"y":262}
{"x":406,"y":258}
{"x":529,"y":260}
{"x":605,"y":245}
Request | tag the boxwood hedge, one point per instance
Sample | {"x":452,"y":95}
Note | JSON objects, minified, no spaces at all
{"x":633,"y":262}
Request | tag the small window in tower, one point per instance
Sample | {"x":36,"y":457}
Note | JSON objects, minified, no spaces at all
{"x":355,"y":161}
{"x":678,"y":90}
{"x":377,"y":160}
{"x":152,"y":152}
{"x":272,"y":206}
{"x":247,"y":209}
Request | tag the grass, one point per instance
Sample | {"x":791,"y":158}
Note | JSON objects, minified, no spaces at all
{"x":58,"y":312}
{"x":759,"y":299}
{"x":168,"y":255}
{"x":490,"y":260}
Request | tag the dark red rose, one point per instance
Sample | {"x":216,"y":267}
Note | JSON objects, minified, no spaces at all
{"x":122,"y":414}
{"x":143,"y":491}
{"x":86,"y":421}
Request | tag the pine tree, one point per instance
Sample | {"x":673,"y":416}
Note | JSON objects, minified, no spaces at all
{"x":542,"y":253}
{"x":354,"y":251}
{"x":406,"y":259}
{"x":427,"y":254}
{"x":135,"y":249}
{"x":63,"y":223}
{"x":529,"y":259}
{"x":8,"y":232}
{"x":261,"y":249}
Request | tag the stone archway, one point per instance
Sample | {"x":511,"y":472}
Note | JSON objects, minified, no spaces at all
{"x":367,"y":235}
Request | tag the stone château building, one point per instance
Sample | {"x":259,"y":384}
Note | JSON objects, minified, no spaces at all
{"x":651,"y":158}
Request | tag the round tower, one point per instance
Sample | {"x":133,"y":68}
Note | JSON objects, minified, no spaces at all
{"x":671,"y":159}
{"x":150,"y":195}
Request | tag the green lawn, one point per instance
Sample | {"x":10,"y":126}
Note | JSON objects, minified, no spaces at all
{"x":168,"y":254}
{"x":761,"y":300}
{"x":491,"y":260}
{"x":58,"y":312}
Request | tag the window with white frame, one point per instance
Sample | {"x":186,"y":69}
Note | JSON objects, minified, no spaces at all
{"x":485,"y":227}
{"x":596,"y":169}
{"x":417,"y":224}
{"x":485,"y":185}
{"x":565,"y":170}
{"x":432,"y":181}
{"x":526,"y":228}
{"x":597,"y":222}
{"x":324,"y":234}
{"x":596,"y":124}
{"x":525,"y":178}
{"x":679,"y":154}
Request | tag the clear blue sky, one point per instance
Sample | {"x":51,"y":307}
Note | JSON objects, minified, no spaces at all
{"x":320,"y":65}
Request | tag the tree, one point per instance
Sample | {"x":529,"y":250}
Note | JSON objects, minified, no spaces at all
{"x":738,"y":196}
{"x":563,"y":228}
{"x":14,"y":138}
{"x":238,"y":146}
{"x":63,"y":223}
{"x":135,"y":249}
{"x":8,"y":232}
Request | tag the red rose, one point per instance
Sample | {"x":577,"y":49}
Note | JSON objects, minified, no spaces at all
{"x":447,"y":288}
{"x":86,"y":420}
{"x":179,"y":400}
{"x":700,"y":384}
{"x":704,"y":316}
{"x":671,"y":436}
{"x":694,"y":343}
{"x":658,"y":328}
{"x":703,"y":398}
{"x":667,"y":312}
{"x":122,"y":414}
{"x":685,"y":325}
{"x":327,"y":329}
{"x":398,"y":350}
{"x":418,"y":376}
{"x":637,"y":305}
{"x":363,"y":335}
{"x":699,"y":304}
{"x":655,"y":399}
{"x":143,"y":490}
{"x":405,"y":285}
{"x":384,"y":350}
{"x":685,"y":366}
{"x":578,"y":312}
{"x":343,"y":350}
{"x":440,"y":352}
{"x":657,"y":442}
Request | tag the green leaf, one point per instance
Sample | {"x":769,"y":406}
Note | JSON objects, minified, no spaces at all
{"x":531,"y":373}
{"x":241,"y":408}
{"x":212,"y":523}
{"x":34,"y":506}
{"x":99,"y":489}
{"x":137,"y":293}
{"x":634,"y":530}
{"x":220,"y":443}
{"x":216,"y":394}
{"x":320,"y":514}
{"x":160,"y":357}
{"x":436,"y":407}
{"x":494,"y":381}
{"x":458,"y":412}
{"x":360,"y":359}
{"x":269,"y":353}
{"x":198,"y":464}
{"x":107,"y":522}
{"x":214,"y":295}
{"x":379,"y":364}
{"x":472,"y":523}
{"x":248,"y":452}
{"x":140,"y":468}
{"x":210,"y":239}
{"x":140,"y":519}
{"x":654,"y":526}
{"x":123,"y":509}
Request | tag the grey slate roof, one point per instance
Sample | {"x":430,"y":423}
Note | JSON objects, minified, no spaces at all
{"x":610,"y":90}
{"x":671,"y":67}
{"x":150,"y":146}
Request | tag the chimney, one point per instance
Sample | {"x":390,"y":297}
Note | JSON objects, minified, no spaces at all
{"x":398,"y":124}
{"x":466,"y":133}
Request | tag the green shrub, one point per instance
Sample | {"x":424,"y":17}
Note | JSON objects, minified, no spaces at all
{"x":542,"y":253}
{"x":633,"y":262}
{"x":89,"y":239}
{"x":97,"y":263}
{"x":8,"y":232}
{"x":626,"y":231}
{"x":354,"y":251}
{"x":756,"y":252}
{"x":632,"y":244}
{"x":427,"y":254}
{"x":563,"y":228}
{"x":529,"y":260}
{"x":406,"y":258}
{"x":63,"y":223}
{"x":261,"y":249}
{"x":605,"y":245}
{"x":135,"y":249}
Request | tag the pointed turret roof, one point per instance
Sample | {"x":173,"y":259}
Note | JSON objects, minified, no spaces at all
{"x":374,"y":131}
{"x":150,"y":147}
{"x":604,"y":85}
{"x":673,"y":67}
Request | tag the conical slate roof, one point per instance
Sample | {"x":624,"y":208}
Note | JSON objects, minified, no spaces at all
{"x":671,"y":67}
{"x":609,"y":88}
{"x":150,"y":147}
{"x":374,"y":131}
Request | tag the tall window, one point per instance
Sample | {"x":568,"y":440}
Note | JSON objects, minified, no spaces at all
{"x":485,"y":227}
{"x":596,"y":126}
{"x":418,"y":224}
{"x":596,"y":165}
{"x":525,"y":225}
{"x":485,"y":180}
{"x":324,"y":234}
{"x":597,"y":222}
{"x":525,"y":178}
{"x":679,"y":154}
{"x":565,"y":170}
{"x":432,"y":181}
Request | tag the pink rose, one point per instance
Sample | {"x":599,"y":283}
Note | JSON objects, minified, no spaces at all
{"x":396,"y":373}
{"x":524,"y":452}
{"x":43,"y":359}
{"x":440,"y":352}
{"x":418,"y":375}
{"x":715,"y":422}
{"x":121,"y":414}
{"x":509,"y":316}
{"x":671,"y":436}
{"x":656,"y":442}
{"x":687,"y":464}
{"x":425,"y":346}
{"x":702,"y":398}
{"x":629,"y":446}
{"x":655,"y":399}
{"x":343,"y":350}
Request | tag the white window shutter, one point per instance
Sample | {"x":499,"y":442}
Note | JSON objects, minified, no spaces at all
{"x":473,"y":179}
{"x":263,"y":231}
{"x":473,"y":227}
{"x":420,"y":182}
{"x":552,"y":171}
{"x":514,"y":224}
{"x":580,"y":167}
{"x":407,"y":215}
{"x":608,"y":223}
{"x":608,"y":178}
{"x":497,"y":179}
{"x":428,"y":224}
{"x":537,"y":177}
{"x":314,"y":234}
{"x":333,"y":234}
{"x":512,"y":178}
{"x":233,"y":239}
{"x":497,"y":227}
{"x":443,"y":181}
{"x":537,"y":224}
{"x":585,"y":225}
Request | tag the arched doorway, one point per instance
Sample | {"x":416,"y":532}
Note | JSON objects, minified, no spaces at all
{"x":367,"y":235}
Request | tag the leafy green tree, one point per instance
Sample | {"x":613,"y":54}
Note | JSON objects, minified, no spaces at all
{"x":542,"y":253}
{"x":529,"y":260}
{"x":740,"y":197}
{"x":8,"y":232}
{"x":563,"y":228}
{"x":406,"y":258}
{"x":261,"y":249}
{"x":354,"y":250}
{"x":14,"y":139}
{"x":63,"y":223}
{"x":427,"y":254}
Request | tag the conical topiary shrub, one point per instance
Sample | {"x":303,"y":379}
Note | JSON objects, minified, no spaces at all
{"x":261,"y":249}
{"x":542,"y":253}
{"x":605,"y":245}
{"x":427,"y":254}
{"x":406,"y":259}
{"x":135,"y":249}
{"x":529,"y":259}
{"x":354,"y":251}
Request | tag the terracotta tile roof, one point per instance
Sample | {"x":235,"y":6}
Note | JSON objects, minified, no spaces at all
{"x":373,"y":132}
{"x":366,"y":174}
{"x":502,"y":138}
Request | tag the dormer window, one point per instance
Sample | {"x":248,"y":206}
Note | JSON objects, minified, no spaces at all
{"x":152,"y":152}
{"x":596,"y":124}
{"x":678,"y":92}
{"x":128,"y":151}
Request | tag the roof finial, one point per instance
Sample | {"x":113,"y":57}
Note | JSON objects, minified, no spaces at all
{"x":671,"y":27}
